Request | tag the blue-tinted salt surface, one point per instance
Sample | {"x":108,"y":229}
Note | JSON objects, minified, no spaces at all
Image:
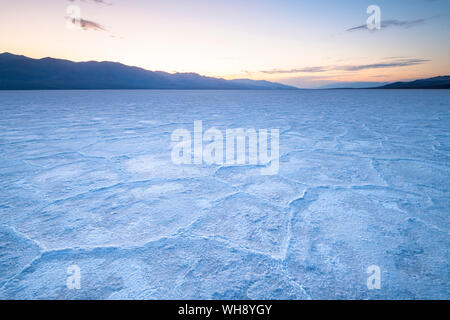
{"x":87,"y":180}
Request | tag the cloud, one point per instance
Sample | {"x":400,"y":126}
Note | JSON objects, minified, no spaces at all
{"x":87,"y":24}
{"x":391,"y":63}
{"x":91,"y":25}
{"x":392,"y":23}
{"x":97,"y":1}
{"x":382,"y":65}
{"x":305,"y":70}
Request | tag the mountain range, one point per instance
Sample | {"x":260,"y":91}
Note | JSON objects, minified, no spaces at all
{"x":18,"y":72}
{"x":22,"y":73}
{"x":442,"y":82}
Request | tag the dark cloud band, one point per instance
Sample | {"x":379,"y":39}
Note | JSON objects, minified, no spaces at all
{"x":391,"y":23}
{"x":403,"y":62}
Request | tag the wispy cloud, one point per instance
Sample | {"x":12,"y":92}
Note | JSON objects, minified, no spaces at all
{"x":87,"y":24}
{"x":391,"y":63}
{"x":392,"y":23}
{"x":91,"y":25}
{"x":382,"y":65}
{"x":97,"y":1}
{"x":305,"y":70}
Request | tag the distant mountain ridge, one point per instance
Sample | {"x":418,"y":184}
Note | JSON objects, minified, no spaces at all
{"x":441,"y":82}
{"x":22,"y":73}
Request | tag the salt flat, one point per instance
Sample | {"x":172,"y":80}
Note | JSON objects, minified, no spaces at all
{"x":87,"y":180}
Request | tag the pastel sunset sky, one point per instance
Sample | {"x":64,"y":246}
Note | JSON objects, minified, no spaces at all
{"x":302,"y":43}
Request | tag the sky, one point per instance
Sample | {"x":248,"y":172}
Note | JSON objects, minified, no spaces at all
{"x":307,"y":44}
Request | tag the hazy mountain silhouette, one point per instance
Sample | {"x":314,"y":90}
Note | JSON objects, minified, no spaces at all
{"x":442,"y":82}
{"x":23,"y":73}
